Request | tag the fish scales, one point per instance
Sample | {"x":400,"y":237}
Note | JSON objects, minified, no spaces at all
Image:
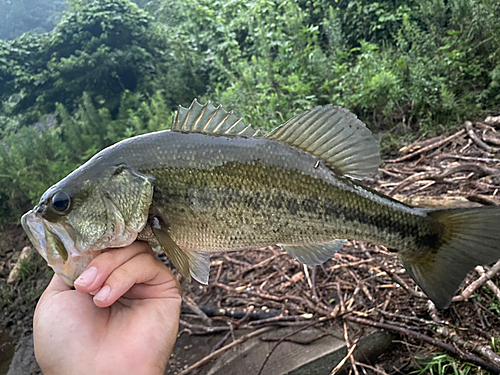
{"x":214,"y":184}
{"x":260,"y":203}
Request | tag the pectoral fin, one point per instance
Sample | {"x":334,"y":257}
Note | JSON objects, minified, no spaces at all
{"x":189,"y":263}
{"x":314,"y":254}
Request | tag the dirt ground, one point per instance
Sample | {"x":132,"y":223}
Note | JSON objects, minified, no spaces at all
{"x":362,"y":285}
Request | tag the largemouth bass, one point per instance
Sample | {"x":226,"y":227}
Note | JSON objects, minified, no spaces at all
{"x":214,"y":184}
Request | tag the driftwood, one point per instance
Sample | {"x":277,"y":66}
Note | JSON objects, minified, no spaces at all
{"x":427,"y":148}
{"x":479,"y":141}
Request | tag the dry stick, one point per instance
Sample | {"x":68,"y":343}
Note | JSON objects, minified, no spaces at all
{"x":476,"y":284}
{"x":341,"y":363}
{"x":295,"y":341}
{"x":427,"y":148}
{"x":491,"y":284}
{"x":313,"y":280}
{"x":371,"y":368}
{"x":221,"y":342}
{"x":478,"y":141}
{"x":277,"y":319}
{"x":194,"y":307}
{"x":411,"y":318}
{"x":440,"y":177}
{"x":349,"y":347}
{"x":306,"y":273}
{"x":236,"y":261}
{"x":482,"y":199}
{"x":491,"y":139}
{"x":261,"y":264}
{"x":470,"y":158}
{"x":223,"y":349}
{"x":350,"y":264}
{"x":305,"y":301}
{"x":346,"y":336}
{"x":483,"y":350}
{"x":401,"y":282}
{"x":449,"y":348}
{"x":418,"y":145}
{"x":205,"y":329}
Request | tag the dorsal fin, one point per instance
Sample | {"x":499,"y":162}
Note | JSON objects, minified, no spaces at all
{"x":206,"y":119}
{"x":334,"y":135}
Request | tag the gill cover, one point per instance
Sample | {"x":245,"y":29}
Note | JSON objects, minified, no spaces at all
{"x":106,"y":212}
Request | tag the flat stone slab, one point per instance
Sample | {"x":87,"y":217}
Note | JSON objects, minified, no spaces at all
{"x":318,"y":357}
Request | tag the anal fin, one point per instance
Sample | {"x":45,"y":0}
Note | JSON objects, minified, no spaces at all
{"x":314,"y":254}
{"x":189,"y":263}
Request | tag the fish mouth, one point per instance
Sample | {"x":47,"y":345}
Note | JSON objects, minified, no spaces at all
{"x":55,"y":245}
{"x":34,"y":228}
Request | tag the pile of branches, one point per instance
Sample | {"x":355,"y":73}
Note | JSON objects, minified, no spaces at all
{"x":365,"y":285}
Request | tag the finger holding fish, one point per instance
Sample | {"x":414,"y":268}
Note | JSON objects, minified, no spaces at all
{"x":116,"y":271}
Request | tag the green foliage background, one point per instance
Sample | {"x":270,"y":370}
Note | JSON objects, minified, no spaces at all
{"x":113,"y":69}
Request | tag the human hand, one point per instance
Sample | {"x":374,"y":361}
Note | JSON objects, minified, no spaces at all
{"x":131,"y":331}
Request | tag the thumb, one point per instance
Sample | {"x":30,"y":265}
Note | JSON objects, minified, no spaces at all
{"x":55,"y":286}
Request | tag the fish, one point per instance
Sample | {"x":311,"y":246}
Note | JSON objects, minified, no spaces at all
{"x":213,"y":183}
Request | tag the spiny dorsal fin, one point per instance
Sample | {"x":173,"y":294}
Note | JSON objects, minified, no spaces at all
{"x":336,"y":136}
{"x":206,"y":119}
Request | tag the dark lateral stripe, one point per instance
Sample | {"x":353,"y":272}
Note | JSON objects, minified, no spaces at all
{"x":258,"y":188}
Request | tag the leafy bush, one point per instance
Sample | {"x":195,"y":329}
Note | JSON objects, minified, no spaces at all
{"x":404,"y":67}
{"x":100,"y":47}
{"x":34,"y":158}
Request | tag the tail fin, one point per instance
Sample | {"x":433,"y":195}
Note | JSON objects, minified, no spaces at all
{"x":469,"y":237}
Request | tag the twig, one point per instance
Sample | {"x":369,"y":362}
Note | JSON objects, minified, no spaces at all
{"x":478,"y":170}
{"x":476,"y":284}
{"x":236,"y":261}
{"x":341,"y":363}
{"x":258,"y":265}
{"x":470,"y":158}
{"x":221,"y":342}
{"x":288,"y":336}
{"x":205,"y":329}
{"x":479,"y":141}
{"x":305,"y":301}
{"x":401,"y":282}
{"x":449,"y":348}
{"x":371,"y":368}
{"x":277,"y":319}
{"x":491,"y":139}
{"x":308,"y":277}
{"x":223,"y":349}
{"x":295,"y":341}
{"x":349,"y":347}
{"x":194,"y":307}
{"x":491,"y":284}
{"x":231,"y":312}
{"x":482,"y":199}
{"x":483,"y":350}
{"x":313,"y":283}
{"x":427,"y":148}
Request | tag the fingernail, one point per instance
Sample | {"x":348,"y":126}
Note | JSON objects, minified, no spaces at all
{"x":87,"y":277}
{"x":103,"y":294}
{"x":94,"y":292}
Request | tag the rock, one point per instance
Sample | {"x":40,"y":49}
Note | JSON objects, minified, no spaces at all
{"x":319,"y":357}
{"x":24,"y":361}
{"x":15,"y":272}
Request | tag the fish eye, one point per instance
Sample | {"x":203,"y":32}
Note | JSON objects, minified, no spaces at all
{"x":61,"y":202}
